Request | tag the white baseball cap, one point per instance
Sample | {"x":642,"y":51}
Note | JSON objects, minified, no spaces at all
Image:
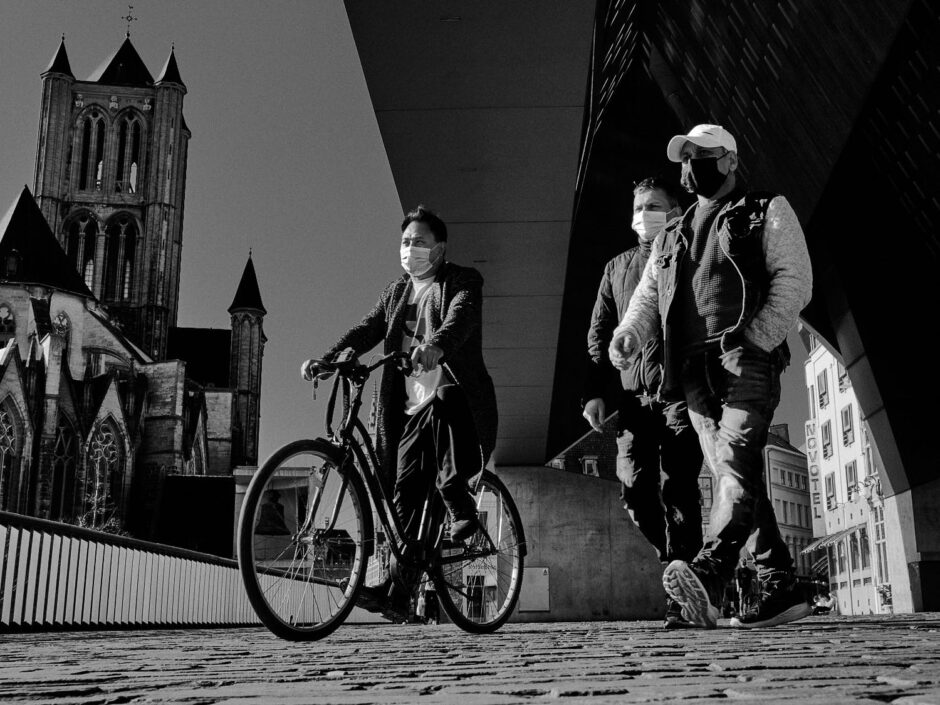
{"x":708,"y":136}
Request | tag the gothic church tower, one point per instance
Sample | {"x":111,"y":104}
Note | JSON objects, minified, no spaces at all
{"x":248,"y":340}
{"x":110,"y":180}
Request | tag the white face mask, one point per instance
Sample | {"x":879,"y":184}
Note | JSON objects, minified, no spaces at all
{"x":648,"y":224}
{"x":417,"y":260}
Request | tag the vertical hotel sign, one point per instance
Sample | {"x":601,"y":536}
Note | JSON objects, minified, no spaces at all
{"x":815,"y":478}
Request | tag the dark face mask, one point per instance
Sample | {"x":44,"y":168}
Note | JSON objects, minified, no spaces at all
{"x":702,"y":177}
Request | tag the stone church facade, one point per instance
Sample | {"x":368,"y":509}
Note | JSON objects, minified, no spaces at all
{"x":102,"y":397}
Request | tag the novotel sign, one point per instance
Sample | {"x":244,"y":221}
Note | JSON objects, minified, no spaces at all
{"x":815,"y":473}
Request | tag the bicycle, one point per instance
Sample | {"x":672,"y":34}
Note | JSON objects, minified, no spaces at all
{"x":306,"y":530}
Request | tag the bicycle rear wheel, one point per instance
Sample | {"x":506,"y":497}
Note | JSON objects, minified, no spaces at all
{"x":301,"y":540}
{"x":478,"y":583}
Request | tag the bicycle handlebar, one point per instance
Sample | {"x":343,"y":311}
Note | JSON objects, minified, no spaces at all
{"x":349,"y":370}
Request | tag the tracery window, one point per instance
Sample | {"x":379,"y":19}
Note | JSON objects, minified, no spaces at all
{"x":64,"y":464}
{"x":9,"y":457}
{"x":103,"y":491}
{"x":81,"y":239}
{"x":129,"y":141}
{"x":91,"y":162}
{"x":120,"y":251}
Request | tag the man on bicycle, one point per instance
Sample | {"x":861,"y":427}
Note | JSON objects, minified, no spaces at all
{"x":440,"y":421}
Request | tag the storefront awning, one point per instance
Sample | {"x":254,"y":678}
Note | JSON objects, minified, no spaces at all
{"x":831,"y":539}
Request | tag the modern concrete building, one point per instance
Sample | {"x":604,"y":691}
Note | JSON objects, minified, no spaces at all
{"x":525,"y":124}
{"x":865,"y":562}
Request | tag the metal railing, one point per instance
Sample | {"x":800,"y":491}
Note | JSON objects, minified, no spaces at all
{"x":59,"y":576}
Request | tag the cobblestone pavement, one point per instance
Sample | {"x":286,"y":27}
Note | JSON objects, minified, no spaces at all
{"x":828,"y":660}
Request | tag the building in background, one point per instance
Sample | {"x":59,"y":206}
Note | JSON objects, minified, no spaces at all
{"x":847,"y":497}
{"x":110,"y":415}
{"x":787,"y":482}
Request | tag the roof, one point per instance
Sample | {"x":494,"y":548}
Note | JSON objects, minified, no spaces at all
{"x":778,"y":442}
{"x":206,"y":352}
{"x":248,"y":295}
{"x":124,"y":68}
{"x":42,"y":260}
{"x":60,"y":62}
{"x":170,"y":72}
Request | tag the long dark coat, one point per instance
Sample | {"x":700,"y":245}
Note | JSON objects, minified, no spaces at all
{"x":455,"y":319}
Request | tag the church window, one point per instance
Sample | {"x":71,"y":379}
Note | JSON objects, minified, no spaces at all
{"x":81,"y":238}
{"x":120,"y":250}
{"x":128,"y":154}
{"x":103,"y":487}
{"x":64,"y":462}
{"x":91,"y":163}
{"x":9,"y":457}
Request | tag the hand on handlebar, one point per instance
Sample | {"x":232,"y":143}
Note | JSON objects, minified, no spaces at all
{"x":310,"y":369}
{"x":425,"y":358}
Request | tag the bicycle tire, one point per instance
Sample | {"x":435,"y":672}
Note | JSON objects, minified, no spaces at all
{"x":477,"y":589}
{"x":301,"y":572}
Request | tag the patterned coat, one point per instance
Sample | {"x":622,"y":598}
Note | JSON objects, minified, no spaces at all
{"x":455,"y":325}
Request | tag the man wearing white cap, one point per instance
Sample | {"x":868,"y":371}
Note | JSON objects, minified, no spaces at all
{"x":725,"y":282}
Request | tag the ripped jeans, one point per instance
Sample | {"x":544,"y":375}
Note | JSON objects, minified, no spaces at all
{"x":732,"y":397}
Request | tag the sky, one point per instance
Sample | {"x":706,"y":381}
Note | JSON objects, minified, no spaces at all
{"x":285,"y":159}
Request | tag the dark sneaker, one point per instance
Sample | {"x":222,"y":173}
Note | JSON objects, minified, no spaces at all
{"x":674,"y":618}
{"x":462,"y":529}
{"x":778,"y":604}
{"x":683,"y":585}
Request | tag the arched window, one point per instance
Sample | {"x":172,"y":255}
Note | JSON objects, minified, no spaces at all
{"x":80,"y":240}
{"x":129,"y":143}
{"x":10,"y":451}
{"x":120,"y":250}
{"x":102,"y":501}
{"x":91,"y":163}
{"x":64,"y":463}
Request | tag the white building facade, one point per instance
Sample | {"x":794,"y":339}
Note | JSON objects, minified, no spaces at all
{"x":845,"y":492}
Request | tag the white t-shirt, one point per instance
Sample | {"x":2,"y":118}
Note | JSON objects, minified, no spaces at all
{"x":420,"y":388}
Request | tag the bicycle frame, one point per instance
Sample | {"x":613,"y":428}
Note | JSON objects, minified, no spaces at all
{"x":352,"y":378}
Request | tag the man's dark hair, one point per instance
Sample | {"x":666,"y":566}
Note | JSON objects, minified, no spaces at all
{"x":659,"y":183}
{"x":422,"y":214}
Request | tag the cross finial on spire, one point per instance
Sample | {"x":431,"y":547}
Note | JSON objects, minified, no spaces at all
{"x":129,"y":18}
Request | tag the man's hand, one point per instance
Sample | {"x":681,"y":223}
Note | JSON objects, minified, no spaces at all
{"x":425,"y":357}
{"x":309,"y":370}
{"x":622,"y":348}
{"x":595,"y":412}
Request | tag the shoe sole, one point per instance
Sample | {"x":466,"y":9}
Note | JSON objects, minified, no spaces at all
{"x":683,"y":586}
{"x":788,"y":615}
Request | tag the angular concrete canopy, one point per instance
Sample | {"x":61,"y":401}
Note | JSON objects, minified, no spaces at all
{"x":480,"y":106}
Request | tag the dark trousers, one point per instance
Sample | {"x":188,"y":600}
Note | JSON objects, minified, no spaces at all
{"x":440,"y":441}
{"x":658,"y":462}
{"x":732,"y":397}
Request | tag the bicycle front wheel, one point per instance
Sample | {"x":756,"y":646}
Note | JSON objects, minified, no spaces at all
{"x":478,"y":583}
{"x":301,"y":540}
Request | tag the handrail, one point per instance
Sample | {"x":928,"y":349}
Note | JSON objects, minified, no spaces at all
{"x":62,"y":529}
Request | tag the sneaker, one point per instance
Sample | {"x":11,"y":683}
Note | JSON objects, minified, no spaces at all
{"x":462,"y":529}
{"x":777,"y":604}
{"x":683,"y":585}
{"x":674,"y":618}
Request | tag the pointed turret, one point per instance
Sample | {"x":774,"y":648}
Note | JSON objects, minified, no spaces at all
{"x":60,"y":62}
{"x":247,"y":350}
{"x":29,"y":252}
{"x":171,"y":72}
{"x":124,"y":68}
{"x":248,"y":296}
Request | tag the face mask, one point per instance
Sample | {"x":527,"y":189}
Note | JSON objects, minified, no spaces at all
{"x":702,"y":176}
{"x":648,"y":224}
{"x":417,"y":261}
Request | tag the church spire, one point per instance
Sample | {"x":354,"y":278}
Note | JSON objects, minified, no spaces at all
{"x":248,"y":296}
{"x":60,"y":62}
{"x":171,"y":72}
